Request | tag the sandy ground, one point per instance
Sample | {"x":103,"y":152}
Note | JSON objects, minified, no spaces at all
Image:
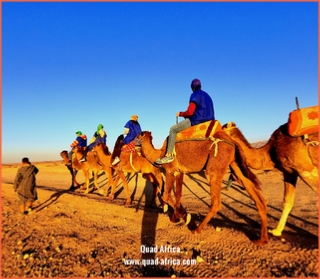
{"x":70,"y":234}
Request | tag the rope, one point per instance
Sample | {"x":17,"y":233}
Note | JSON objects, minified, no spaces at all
{"x":132,"y":164}
{"x":313,"y":143}
{"x":214,"y":142}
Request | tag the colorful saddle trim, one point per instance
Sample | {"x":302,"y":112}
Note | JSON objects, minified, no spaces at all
{"x":200,"y":131}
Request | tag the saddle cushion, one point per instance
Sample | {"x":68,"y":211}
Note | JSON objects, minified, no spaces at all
{"x":202,"y":130}
{"x":303,"y":121}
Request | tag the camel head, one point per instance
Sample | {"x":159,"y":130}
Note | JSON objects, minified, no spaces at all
{"x":234,"y":132}
{"x":229,"y":125}
{"x":78,"y":150}
{"x":143,"y":136}
{"x":63,"y":153}
{"x":100,"y":146}
{"x":230,"y":128}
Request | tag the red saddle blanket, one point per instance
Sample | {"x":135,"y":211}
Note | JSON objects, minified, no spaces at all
{"x":202,"y":130}
{"x":130,"y":147}
{"x":303,"y":121}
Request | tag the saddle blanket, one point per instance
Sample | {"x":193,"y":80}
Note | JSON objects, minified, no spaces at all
{"x":303,"y":121}
{"x":202,"y":130}
{"x":130,"y":147}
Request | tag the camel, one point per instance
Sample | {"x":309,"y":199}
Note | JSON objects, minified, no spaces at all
{"x":214,"y":155}
{"x":293,"y":156}
{"x":73,"y":172}
{"x":90,"y":165}
{"x":131,"y":163}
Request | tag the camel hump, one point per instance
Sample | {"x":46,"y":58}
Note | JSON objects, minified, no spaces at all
{"x":303,"y":121}
{"x":202,"y":130}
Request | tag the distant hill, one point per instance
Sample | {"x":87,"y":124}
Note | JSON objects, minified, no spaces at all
{"x":259,"y":143}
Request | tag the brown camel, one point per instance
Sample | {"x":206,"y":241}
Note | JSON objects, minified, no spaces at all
{"x":214,"y":155}
{"x":293,"y":156}
{"x":131,"y":163}
{"x":73,"y":172}
{"x":90,"y":165}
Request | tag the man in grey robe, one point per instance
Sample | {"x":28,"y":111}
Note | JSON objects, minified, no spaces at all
{"x":25,"y":185}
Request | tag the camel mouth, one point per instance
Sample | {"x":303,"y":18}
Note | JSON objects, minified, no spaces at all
{"x":137,"y":142}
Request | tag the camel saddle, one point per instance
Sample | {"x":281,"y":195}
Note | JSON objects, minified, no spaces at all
{"x":303,"y":121}
{"x":131,"y":148}
{"x":200,"y":131}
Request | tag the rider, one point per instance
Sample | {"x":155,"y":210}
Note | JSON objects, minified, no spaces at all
{"x":99,"y":136}
{"x":81,"y":141}
{"x":131,"y":130}
{"x":200,"y":110}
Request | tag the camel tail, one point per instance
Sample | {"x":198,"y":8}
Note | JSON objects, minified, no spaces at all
{"x":243,"y":165}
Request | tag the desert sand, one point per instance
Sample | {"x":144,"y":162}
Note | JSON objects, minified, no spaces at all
{"x":70,"y":234}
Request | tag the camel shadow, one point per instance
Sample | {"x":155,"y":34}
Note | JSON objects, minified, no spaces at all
{"x":120,"y":186}
{"x":53,"y":198}
{"x":251,"y":228}
{"x":148,"y":230}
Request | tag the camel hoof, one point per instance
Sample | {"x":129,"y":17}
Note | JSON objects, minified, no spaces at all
{"x":86,"y":192}
{"x":111,"y":197}
{"x":275,"y":232}
{"x":195,"y":231}
{"x":101,"y":192}
{"x":260,"y":242}
{"x":72,"y":188}
{"x":128,"y":202}
{"x":165,"y":208}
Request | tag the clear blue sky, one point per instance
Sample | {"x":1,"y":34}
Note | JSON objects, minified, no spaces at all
{"x":71,"y":66}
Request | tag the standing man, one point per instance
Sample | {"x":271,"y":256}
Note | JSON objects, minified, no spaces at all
{"x":25,"y":185}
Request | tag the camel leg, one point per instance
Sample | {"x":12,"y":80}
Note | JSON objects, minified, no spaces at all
{"x":95,"y":180}
{"x":110,"y":181}
{"x":290,"y":181}
{"x":157,"y":184}
{"x":113,"y":187}
{"x":259,"y":200}
{"x":179,"y":211}
{"x":74,"y":178}
{"x":215,"y":193}
{"x":126,"y":187}
{"x":170,"y":181}
{"x":86,"y":175}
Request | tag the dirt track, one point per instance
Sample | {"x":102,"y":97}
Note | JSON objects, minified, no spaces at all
{"x":70,"y":234}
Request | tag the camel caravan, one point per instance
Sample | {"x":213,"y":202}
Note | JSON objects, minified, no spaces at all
{"x":292,"y":149}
